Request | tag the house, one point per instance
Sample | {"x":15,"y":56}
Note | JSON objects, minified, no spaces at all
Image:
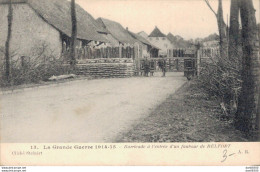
{"x":118,"y":32}
{"x":112,"y":42}
{"x":122,"y":35}
{"x":149,"y":50}
{"x":160,"y":40}
{"x":143,"y":34}
{"x":38,"y":23}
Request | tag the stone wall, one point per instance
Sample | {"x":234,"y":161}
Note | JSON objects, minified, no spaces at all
{"x":106,"y":68}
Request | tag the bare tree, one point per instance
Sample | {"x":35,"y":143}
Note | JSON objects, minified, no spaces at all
{"x":221,"y":27}
{"x":234,"y":23}
{"x":248,"y":103}
{"x":234,"y":33}
{"x":7,"y":43}
{"x":73,"y":33}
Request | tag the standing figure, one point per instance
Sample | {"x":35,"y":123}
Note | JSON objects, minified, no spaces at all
{"x":162,"y":65}
{"x":146,"y":67}
{"x":164,"y":68}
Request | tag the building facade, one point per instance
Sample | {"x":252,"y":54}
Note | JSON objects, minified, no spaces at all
{"x":29,"y":32}
{"x":160,"y":40}
{"x":45,"y":25}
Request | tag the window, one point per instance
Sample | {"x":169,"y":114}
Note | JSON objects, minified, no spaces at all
{"x":151,"y":39}
{"x":163,"y":38}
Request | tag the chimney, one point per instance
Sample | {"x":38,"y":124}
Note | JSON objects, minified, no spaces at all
{"x":127,"y":28}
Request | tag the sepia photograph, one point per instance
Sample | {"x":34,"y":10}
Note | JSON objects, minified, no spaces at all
{"x":128,"y":71}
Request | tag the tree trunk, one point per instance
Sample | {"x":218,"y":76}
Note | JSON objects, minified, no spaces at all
{"x":7,"y":43}
{"x":248,"y":110}
{"x":222,"y":30}
{"x":73,"y":33}
{"x":234,"y":29}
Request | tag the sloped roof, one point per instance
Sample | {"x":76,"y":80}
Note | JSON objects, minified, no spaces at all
{"x":117,"y":31}
{"x":142,"y":39}
{"x":108,"y":36}
{"x":112,"y":40}
{"x":178,"y":41}
{"x":101,"y":24}
{"x":171,"y":37}
{"x":58,"y":14}
{"x":143,"y":34}
{"x":156,"y":33}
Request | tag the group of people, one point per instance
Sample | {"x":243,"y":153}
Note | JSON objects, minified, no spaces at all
{"x":149,"y":67}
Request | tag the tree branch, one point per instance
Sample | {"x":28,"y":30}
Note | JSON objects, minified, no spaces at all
{"x":207,"y":2}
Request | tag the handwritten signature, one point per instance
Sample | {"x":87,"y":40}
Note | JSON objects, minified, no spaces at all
{"x":226,"y":155}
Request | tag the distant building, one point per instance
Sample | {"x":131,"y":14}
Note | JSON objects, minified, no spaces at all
{"x":127,"y":38}
{"x":112,"y":41}
{"x":160,"y":40}
{"x":172,"y":38}
{"x":143,"y":34}
{"x":148,"y":49}
{"x":117,"y":31}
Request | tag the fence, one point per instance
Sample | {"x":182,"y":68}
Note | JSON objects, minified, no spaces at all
{"x":181,"y":52}
{"x":203,"y":56}
{"x":209,"y":52}
{"x":204,"y":52}
{"x":108,"y":52}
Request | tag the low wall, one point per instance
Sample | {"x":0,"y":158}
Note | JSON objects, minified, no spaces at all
{"x":106,"y":68}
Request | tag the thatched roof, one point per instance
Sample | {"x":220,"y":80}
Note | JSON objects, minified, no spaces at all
{"x":143,"y":34}
{"x":142,"y":39}
{"x":113,"y":41}
{"x":102,"y":25}
{"x":157,"y":33}
{"x":58,"y":14}
{"x":171,"y":37}
{"x":117,"y":31}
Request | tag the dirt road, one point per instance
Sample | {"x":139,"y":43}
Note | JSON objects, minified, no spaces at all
{"x":83,"y":111}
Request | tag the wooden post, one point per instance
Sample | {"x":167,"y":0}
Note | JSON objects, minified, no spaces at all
{"x":137,"y":59}
{"x":120,"y":51}
{"x":177,"y":64}
{"x":198,"y":62}
{"x":138,"y":51}
{"x":170,"y":67}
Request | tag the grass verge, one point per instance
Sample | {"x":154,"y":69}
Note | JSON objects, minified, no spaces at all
{"x":186,"y":116}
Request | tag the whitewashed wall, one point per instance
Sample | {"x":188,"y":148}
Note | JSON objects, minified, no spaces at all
{"x":161,"y":42}
{"x":29,"y":31}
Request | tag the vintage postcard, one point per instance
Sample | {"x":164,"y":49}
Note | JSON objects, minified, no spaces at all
{"x":129,"y":82}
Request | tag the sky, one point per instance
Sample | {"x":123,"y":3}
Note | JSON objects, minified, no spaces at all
{"x":187,"y":18}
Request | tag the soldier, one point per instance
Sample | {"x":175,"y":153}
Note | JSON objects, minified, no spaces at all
{"x":164,"y":68}
{"x":162,"y":65}
{"x":146,"y":67}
